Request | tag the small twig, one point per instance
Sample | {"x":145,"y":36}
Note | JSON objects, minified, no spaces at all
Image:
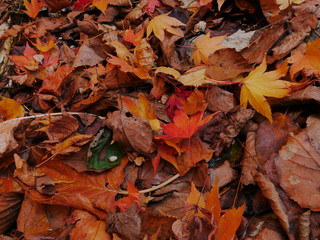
{"x":53,"y":114}
{"x":170,"y":180}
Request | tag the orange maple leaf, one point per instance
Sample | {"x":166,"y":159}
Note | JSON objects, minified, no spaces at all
{"x":229,"y":223}
{"x":101,"y":4}
{"x":204,"y":47}
{"x":33,"y":7}
{"x":310,"y":60}
{"x":161,"y":23}
{"x":25,"y":61}
{"x":133,"y":197}
{"x":183,"y":126}
{"x":45,"y":45}
{"x":142,"y":109}
{"x":10,"y":108}
{"x":260,"y":84}
{"x":131,"y":37}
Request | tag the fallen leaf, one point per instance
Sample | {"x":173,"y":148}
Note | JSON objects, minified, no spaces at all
{"x":204,"y":47}
{"x":25,"y":61}
{"x":7,"y":138}
{"x":142,"y":109}
{"x":151,"y":5}
{"x":33,"y":7}
{"x":299,"y":156}
{"x":45,"y":44}
{"x":183,"y":126}
{"x":133,"y":197}
{"x":226,"y":63}
{"x":309,"y":60}
{"x":88,"y":227}
{"x":10,"y":203}
{"x":161,"y":23}
{"x":269,"y":191}
{"x":229,"y":223}
{"x":196,"y":102}
{"x":127,"y":224}
{"x":166,"y":70}
{"x":10,"y":108}
{"x":54,"y":81}
{"x":260,"y":84}
{"x":131,"y":37}
{"x":80,"y":5}
{"x":101,"y":4}
{"x":286,"y":3}
{"x":220,"y":100}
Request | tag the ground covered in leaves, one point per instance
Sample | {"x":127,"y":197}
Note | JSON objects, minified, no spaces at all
{"x":159,"y":119}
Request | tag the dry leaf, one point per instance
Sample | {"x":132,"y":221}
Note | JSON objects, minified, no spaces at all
{"x":260,"y":84}
{"x":204,"y":47}
{"x":161,"y":23}
{"x":269,"y":191}
{"x":299,"y":156}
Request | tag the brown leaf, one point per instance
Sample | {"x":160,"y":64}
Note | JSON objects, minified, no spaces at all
{"x":127,"y":224}
{"x":226,"y":63}
{"x":313,"y":131}
{"x":10,"y":203}
{"x":223,"y":175}
{"x":250,"y":161}
{"x":86,"y":56}
{"x":304,"y":225}
{"x":8,"y":142}
{"x":261,"y":42}
{"x":132,"y":132}
{"x":37,"y":220}
{"x":220,"y":100}
{"x":192,"y":228}
{"x":74,"y":189}
{"x":88,"y":227}
{"x":298,"y":170}
{"x":271,"y":137}
{"x":269,"y":191}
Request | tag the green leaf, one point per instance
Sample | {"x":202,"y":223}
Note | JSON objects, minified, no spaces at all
{"x":103,"y":154}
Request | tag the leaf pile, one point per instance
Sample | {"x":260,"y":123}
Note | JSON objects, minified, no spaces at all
{"x":159,"y":119}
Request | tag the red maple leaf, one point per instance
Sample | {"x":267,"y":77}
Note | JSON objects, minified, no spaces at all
{"x":80,"y":5}
{"x":151,"y":5}
{"x":183,"y":126}
{"x":127,"y":202}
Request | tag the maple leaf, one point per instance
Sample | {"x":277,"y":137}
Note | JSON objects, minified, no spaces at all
{"x":127,"y":202}
{"x":161,"y":23}
{"x":204,"y":47}
{"x":80,"y":5}
{"x":101,"y":4}
{"x":151,"y":5}
{"x":142,"y":109}
{"x":131,"y":37}
{"x":286,"y":3}
{"x":310,"y":60}
{"x":33,"y":7}
{"x":183,"y":126}
{"x":260,"y":84}
{"x":25,"y":61}
{"x":229,"y":223}
{"x":10,"y":108}
{"x":45,"y":45}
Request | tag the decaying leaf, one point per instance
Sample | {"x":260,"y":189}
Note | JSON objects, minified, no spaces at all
{"x":298,"y":167}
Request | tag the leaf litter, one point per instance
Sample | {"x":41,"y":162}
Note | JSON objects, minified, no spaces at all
{"x":181,"y":132}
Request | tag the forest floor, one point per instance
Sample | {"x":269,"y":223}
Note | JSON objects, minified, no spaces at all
{"x":159,"y":119}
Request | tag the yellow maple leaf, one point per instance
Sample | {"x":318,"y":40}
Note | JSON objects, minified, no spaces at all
{"x":45,"y":45}
{"x":310,"y":60}
{"x":260,"y":84}
{"x":286,"y":3}
{"x":162,"y":23}
{"x":204,"y":47}
{"x":33,"y":7}
{"x":101,"y":4}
